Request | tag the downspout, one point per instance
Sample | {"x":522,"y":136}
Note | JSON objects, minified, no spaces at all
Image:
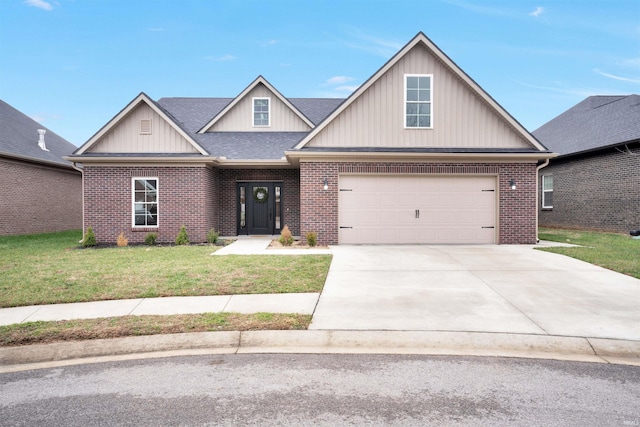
{"x":545,"y":164}
{"x":82,"y":180}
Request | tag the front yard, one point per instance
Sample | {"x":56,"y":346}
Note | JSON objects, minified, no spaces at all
{"x":49,"y":269}
{"x":617,"y":252}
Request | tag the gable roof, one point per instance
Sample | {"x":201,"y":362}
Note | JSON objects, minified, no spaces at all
{"x":142,"y":98}
{"x":595,"y":123}
{"x":258,"y":81}
{"x":421,"y":38}
{"x":19,"y":139}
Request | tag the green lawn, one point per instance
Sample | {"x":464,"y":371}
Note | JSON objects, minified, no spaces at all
{"x":618,"y":252}
{"x":50,"y":268}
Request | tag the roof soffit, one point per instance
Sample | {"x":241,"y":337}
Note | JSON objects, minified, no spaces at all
{"x":142,"y":98}
{"x":421,"y":38}
{"x":258,"y":81}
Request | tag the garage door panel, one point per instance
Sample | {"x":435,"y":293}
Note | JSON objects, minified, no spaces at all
{"x":417,"y":209}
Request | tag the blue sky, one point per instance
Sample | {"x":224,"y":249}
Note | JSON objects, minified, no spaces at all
{"x":74,"y":64}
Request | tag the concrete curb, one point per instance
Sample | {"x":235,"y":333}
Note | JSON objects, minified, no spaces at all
{"x":323,"y":342}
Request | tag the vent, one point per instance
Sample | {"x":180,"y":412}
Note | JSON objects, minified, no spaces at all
{"x":145,"y":127}
{"x":41,"y":143}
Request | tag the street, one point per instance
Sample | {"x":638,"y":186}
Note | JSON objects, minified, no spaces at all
{"x":293,"y":389}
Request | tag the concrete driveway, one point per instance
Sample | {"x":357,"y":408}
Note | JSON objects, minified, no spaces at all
{"x":505,"y":289}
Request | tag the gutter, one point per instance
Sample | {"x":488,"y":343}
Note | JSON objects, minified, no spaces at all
{"x":543,"y":165}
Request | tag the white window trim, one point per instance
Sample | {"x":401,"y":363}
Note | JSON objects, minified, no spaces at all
{"x":404,"y":105}
{"x":253,"y":111}
{"x":133,"y":201}
{"x":544,"y":177}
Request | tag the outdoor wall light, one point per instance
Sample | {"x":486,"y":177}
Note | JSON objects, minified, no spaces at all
{"x":512,"y":184}
{"x":326,"y":184}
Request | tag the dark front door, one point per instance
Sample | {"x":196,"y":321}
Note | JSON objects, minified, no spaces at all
{"x":259,"y":208}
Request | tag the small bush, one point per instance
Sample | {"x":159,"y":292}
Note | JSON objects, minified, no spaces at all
{"x":122,"y":241}
{"x":182,"y":238}
{"x":212,"y":236}
{"x":286,"y":239}
{"x":89,"y":238}
{"x":150,"y":239}
{"x":312,"y":238}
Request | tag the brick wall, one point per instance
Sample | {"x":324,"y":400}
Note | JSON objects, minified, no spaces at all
{"x":228,"y":178}
{"x":517,"y":210}
{"x":38,"y":199}
{"x":186,"y":196}
{"x":597,"y":192}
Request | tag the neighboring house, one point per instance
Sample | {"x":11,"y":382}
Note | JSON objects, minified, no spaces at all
{"x":594,"y":183}
{"x":39,"y":191}
{"x":418,"y":154}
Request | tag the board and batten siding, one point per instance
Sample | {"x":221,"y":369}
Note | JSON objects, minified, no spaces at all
{"x":460,"y":118}
{"x":240,"y":117}
{"x":127,"y":136}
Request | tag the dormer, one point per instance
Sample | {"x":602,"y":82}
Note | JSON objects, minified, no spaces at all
{"x":259,"y":108}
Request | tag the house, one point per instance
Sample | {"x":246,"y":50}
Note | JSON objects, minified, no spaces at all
{"x":419,"y":153}
{"x":39,"y":191}
{"x":594,"y":183}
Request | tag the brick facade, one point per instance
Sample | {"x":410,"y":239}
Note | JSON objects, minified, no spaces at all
{"x":517,"y":208}
{"x":38,"y":199}
{"x":595,"y":192}
{"x":186,"y":196}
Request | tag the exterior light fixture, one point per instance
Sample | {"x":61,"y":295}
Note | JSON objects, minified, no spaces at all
{"x":326,"y":184}
{"x":512,"y":184}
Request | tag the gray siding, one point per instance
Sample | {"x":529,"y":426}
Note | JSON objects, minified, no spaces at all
{"x":461,"y":119}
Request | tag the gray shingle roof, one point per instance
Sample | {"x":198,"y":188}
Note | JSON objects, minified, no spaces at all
{"x":595,"y":123}
{"x":19,"y":137}
{"x":193,"y":113}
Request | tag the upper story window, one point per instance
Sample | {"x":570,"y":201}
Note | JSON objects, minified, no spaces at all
{"x":145,"y":202}
{"x":261,"y":112}
{"x":547,"y":191}
{"x":418,"y":96}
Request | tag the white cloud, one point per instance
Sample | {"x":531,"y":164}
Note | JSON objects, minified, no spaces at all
{"x":338,"y":80}
{"x":269,"y":43}
{"x":223,"y":58}
{"x":611,"y":76}
{"x":347,"y":89}
{"x":40,"y":4}
{"x":539,"y":10}
{"x":573,"y":91}
{"x":378,"y":46}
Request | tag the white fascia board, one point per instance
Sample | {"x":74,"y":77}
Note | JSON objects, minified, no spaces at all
{"x":244,"y":93}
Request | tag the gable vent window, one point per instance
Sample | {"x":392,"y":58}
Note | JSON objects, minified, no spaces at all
{"x":261,"y":112}
{"x":145,"y":127}
{"x":418,"y":101}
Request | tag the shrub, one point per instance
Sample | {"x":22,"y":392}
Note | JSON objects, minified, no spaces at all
{"x":286,"y":239}
{"x":150,"y":239}
{"x":212,"y":236}
{"x":312,"y":238}
{"x":89,"y":238}
{"x":182,"y":238}
{"x":122,"y":241}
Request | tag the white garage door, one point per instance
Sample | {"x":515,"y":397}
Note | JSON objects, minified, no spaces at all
{"x":387,"y":209}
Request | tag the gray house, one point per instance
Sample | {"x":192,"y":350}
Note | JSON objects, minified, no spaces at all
{"x":594,"y":183}
{"x":39,"y":190}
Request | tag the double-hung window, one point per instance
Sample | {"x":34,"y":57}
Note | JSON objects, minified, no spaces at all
{"x":145,"y":202}
{"x":418,"y":101}
{"x":261,"y":112}
{"x":547,"y":191}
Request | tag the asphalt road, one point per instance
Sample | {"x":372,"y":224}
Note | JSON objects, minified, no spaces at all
{"x":323,"y":390}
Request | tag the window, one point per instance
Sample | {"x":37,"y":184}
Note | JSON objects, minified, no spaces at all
{"x":261,"y":112}
{"x":145,"y":202}
{"x":418,"y":96}
{"x":547,"y":191}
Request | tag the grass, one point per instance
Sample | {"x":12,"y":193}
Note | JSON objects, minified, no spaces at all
{"x":49,"y":269}
{"x":114,"y":327}
{"x":617,"y":252}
